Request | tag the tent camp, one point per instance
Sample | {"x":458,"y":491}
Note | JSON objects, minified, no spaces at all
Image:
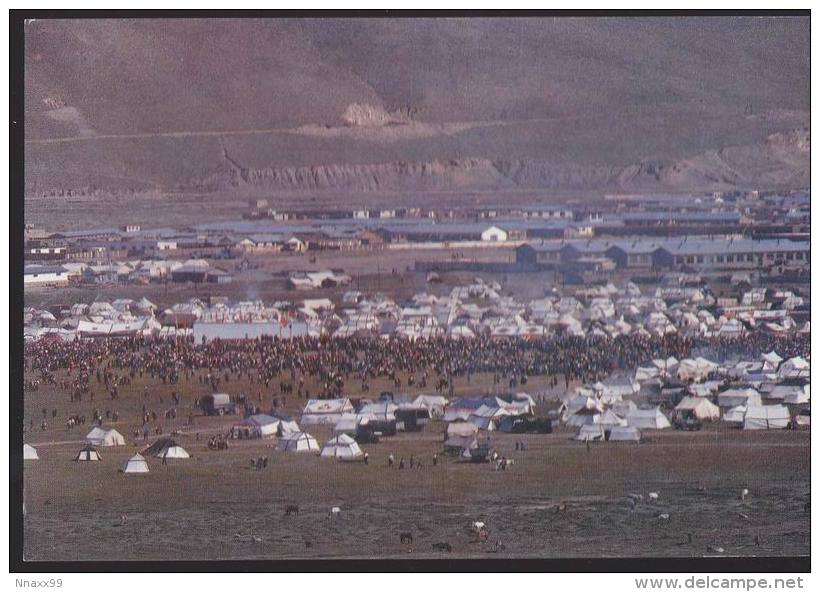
{"x":701,"y":407}
{"x":166,"y":448}
{"x":136,"y":464}
{"x":298,"y":442}
{"x":766,"y":417}
{"x":102,"y":437}
{"x":341,"y":446}
{"x":647,"y":419}
{"x":325,"y":411}
{"x":29,"y":452}
{"x":88,"y":453}
{"x":624,"y":434}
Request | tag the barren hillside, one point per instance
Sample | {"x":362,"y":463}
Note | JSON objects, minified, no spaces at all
{"x":407,"y":105}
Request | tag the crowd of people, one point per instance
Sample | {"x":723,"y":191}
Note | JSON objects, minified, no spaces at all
{"x":335,"y":362}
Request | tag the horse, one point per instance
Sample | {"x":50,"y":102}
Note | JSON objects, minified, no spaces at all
{"x":292,"y":509}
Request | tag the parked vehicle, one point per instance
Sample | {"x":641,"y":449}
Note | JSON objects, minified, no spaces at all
{"x":217,"y":404}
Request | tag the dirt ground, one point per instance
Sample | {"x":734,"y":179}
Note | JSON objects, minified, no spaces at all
{"x":214,"y":506}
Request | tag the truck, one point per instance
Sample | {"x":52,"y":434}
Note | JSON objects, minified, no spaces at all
{"x":217,"y":404}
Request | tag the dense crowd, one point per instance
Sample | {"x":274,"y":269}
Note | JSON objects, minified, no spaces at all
{"x":334,"y":361}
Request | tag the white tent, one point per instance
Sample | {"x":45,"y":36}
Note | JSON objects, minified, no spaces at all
{"x":792,"y":395}
{"x":624,"y":434}
{"x":341,"y":446}
{"x":590,"y":432}
{"x":647,"y":419}
{"x":325,"y":411}
{"x":735,"y":414}
{"x":771,"y":361}
{"x":794,"y":368}
{"x":256,"y":426}
{"x":101,"y":437}
{"x":695,"y":369}
{"x":703,"y":408}
{"x":298,"y":442}
{"x":609,"y":419}
{"x":735,"y":397}
{"x":88,"y":453}
{"x":29,"y":452}
{"x":460,"y":434}
{"x":487,"y":418}
{"x":173,"y":452}
{"x":136,"y":464}
{"x":766,"y":417}
{"x":435,"y":404}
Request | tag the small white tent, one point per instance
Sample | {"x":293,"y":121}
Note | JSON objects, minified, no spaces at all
{"x":702,"y":408}
{"x":735,"y":397}
{"x":29,"y":452}
{"x":136,"y":464}
{"x":102,"y":437}
{"x":590,"y":432}
{"x":624,"y":434}
{"x":766,"y":417}
{"x":794,"y":368}
{"x":342,"y":446}
{"x":298,"y":442}
{"x":88,"y":453}
{"x":647,"y":419}
{"x":735,"y":414}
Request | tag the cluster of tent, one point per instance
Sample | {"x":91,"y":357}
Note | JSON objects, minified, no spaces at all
{"x":467,"y":311}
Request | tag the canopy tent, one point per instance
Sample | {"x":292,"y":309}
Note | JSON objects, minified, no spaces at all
{"x":647,"y":419}
{"x":88,"y":453}
{"x":766,"y":417}
{"x":341,"y":446}
{"x":135,"y":464}
{"x":29,"y":452}
{"x":624,"y":434}
{"x":298,"y":442}
{"x":102,"y":437}
{"x":701,"y":407}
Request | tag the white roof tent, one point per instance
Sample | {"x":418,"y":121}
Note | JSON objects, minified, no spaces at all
{"x":298,"y":442}
{"x":342,"y":447}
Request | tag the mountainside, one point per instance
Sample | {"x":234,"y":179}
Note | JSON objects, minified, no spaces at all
{"x":406,"y":105}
